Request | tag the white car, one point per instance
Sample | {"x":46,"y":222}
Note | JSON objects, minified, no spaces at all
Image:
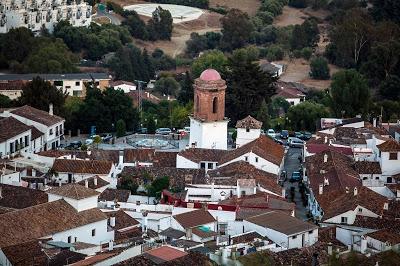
{"x":271,"y":133}
{"x":187,"y":129}
{"x":88,"y":141}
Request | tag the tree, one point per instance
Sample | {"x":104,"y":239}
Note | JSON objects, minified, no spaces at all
{"x":121,"y":128}
{"x":350,"y":93}
{"x":135,"y":25}
{"x":278,"y":107}
{"x":298,"y":3}
{"x":236,"y":30}
{"x":304,"y":116}
{"x":158,"y":185}
{"x":390,"y":88}
{"x":386,"y":10}
{"x":5,"y":102}
{"x":186,"y":93}
{"x":40,"y":94}
{"x":180,"y":116}
{"x":166,"y":86}
{"x":248,"y":87}
{"x":151,"y":125}
{"x":305,"y":35}
{"x":160,"y":25}
{"x":213,"y":59}
{"x":97,"y":140}
{"x":127,"y":182}
{"x":263,"y":115}
{"x":319,"y":68}
{"x":350,"y":39}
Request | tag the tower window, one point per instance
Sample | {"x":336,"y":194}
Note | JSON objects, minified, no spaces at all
{"x":215,"y":105}
{"x":197,"y":105}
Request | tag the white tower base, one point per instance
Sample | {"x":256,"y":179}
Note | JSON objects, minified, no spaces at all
{"x":208,"y":135}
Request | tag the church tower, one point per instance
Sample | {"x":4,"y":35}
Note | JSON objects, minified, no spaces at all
{"x":208,"y":125}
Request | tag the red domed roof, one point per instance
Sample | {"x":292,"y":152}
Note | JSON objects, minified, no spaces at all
{"x":210,"y":74}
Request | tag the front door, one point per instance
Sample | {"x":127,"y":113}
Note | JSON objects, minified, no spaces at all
{"x":69,"y":178}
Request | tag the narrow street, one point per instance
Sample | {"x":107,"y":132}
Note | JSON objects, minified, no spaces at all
{"x":292,"y":164}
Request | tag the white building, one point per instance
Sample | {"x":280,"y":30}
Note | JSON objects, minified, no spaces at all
{"x":208,"y":125}
{"x":50,"y":125}
{"x":125,"y":86}
{"x":248,"y":129}
{"x":284,"y":230}
{"x":15,"y":137}
{"x":389,"y":159}
{"x":34,"y":14}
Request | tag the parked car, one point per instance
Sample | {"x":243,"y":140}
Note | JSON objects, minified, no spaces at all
{"x":142,"y":130}
{"x":279,"y":141}
{"x":106,"y":137}
{"x":298,"y":135}
{"x":296,"y":143}
{"x":296,"y":177}
{"x":181,"y":132}
{"x":187,"y":130}
{"x":282,"y":177}
{"x":284,"y":134}
{"x":163,"y":131}
{"x":271,"y":133}
{"x":88,"y":141}
{"x":74,"y":144}
{"x":306,"y":135}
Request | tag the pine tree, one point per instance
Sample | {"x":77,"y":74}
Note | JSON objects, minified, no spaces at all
{"x":186,"y":93}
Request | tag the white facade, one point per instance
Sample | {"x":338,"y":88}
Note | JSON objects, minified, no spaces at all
{"x":245,"y":136}
{"x":10,"y":177}
{"x":297,"y":240}
{"x":295,"y":101}
{"x":79,"y":205}
{"x":182,"y":162}
{"x":349,"y":217}
{"x":389,"y":166}
{"x":19,"y":143}
{"x":34,"y":15}
{"x":208,"y":135}
{"x":126,"y":88}
{"x":154,"y":221}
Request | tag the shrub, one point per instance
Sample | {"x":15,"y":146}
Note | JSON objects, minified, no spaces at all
{"x":319,"y":68}
{"x":306,"y":53}
{"x":275,"y":52}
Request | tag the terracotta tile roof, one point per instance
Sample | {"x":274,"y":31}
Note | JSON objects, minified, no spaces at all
{"x":73,"y":191}
{"x":60,"y":153}
{"x":389,"y":146}
{"x":12,"y":85}
{"x":335,"y":203}
{"x":11,"y":127}
{"x":164,"y":159}
{"x":230,"y":173}
{"x":246,"y":238}
{"x":377,"y":223}
{"x":109,"y":194}
{"x":172,"y":233}
{"x":122,"y":219}
{"x":82,"y":166}
{"x":100,"y":182}
{"x":318,"y":148}
{"x":192,"y":258}
{"x":178,"y":177}
{"x":264,"y":147}
{"x":43,"y":220}
{"x":249,"y":122}
{"x":365,"y":167}
{"x":194,"y":218}
{"x":345,"y":133}
{"x":164,"y":254}
{"x":259,"y":200}
{"x":28,"y":253}
{"x":200,"y":155}
{"x":20,"y":197}
{"x":336,"y":174}
{"x":281,"y":222}
{"x":134,"y":95}
{"x":203,"y":234}
{"x":36,"y":133}
{"x":386,"y":236}
{"x":288,"y":93}
{"x":121,"y":82}
{"x":246,"y":183}
{"x":37,"y":115}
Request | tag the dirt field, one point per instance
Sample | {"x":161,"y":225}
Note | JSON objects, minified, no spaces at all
{"x":298,"y":71}
{"x":248,"y":6}
{"x":290,"y":16}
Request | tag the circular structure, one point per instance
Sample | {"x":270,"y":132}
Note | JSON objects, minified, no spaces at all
{"x":178,"y":13}
{"x":210,"y":75}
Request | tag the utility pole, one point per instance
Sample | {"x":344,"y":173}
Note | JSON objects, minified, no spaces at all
{"x":139,"y":87}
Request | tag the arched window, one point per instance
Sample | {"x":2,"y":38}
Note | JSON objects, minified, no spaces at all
{"x":197,"y":104}
{"x":215,"y":105}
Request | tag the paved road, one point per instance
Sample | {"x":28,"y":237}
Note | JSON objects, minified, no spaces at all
{"x":113,"y":18}
{"x":292,"y":164}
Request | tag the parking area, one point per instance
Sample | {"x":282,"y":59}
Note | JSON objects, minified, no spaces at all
{"x":292,"y":164}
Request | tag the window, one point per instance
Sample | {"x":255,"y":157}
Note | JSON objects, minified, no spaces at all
{"x":26,"y":141}
{"x":246,"y":158}
{"x":76,"y":239}
{"x":69,"y":239}
{"x":210,"y":165}
{"x":310,"y":232}
{"x":197,"y":105}
{"x":256,"y":159}
{"x":58,"y":83}
{"x":294,"y":237}
{"x":393,"y":156}
{"x":93,"y":232}
{"x":291,"y":103}
{"x":243,"y":193}
{"x":77,"y":93}
{"x":247,"y":129}
{"x":51,"y":131}
{"x":202,"y":165}
{"x":359,"y":209}
{"x":215,"y":105}
{"x":68,"y":87}
{"x":77,"y":83}
{"x":343,"y":220}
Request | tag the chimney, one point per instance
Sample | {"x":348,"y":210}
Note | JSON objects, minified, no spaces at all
{"x":86,"y":183}
{"x":121,"y":158}
{"x":51,"y":109}
{"x":386,"y":206}
{"x":283,"y":193}
{"x":95,"y":181}
{"x":1,"y":193}
{"x":144,"y":225}
{"x":321,"y":189}
{"x":347,"y":190}
{"x":326,"y":181}
{"x":325,"y":158}
{"x":111,"y":245}
{"x":326,"y":139}
{"x":374,"y":122}
{"x":112,"y":221}
{"x":355,"y":191}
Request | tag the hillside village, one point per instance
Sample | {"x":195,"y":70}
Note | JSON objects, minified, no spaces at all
{"x":209,"y":132}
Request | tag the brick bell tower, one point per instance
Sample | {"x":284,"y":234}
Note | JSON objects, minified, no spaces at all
{"x":208,"y":125}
